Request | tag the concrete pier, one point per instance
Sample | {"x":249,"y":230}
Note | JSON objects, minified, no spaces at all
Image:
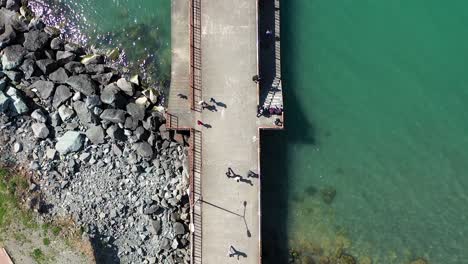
{"x":216,"y":54}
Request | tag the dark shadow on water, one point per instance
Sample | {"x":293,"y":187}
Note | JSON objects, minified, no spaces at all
{"x":275,"y":147}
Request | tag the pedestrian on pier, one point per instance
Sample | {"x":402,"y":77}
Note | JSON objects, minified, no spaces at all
{"x":200,"y":123}
{"x":212,"y":100}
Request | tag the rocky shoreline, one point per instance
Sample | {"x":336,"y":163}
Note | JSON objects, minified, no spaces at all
{"x":94,"y":142}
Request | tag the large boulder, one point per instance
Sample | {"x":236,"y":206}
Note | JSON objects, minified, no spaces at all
{"x":71,"y":141}
{"x":113,"y":115}
{"x":11,"y":18}
{"x":5,"y":102}
{"x":62,"y":94}
{"x":43,"y":88}
{"x":82,"y":83}
{"x":35,"y":40}
{"x":13,"y":56}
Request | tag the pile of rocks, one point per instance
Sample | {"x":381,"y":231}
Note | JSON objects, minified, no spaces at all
{"x":95,"y":140}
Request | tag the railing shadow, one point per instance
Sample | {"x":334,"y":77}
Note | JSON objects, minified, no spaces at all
{"x":195,"y":55}
{"x":195,"y":195}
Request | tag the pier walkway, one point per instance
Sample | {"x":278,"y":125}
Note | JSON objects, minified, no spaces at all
{"x":215,"y":55}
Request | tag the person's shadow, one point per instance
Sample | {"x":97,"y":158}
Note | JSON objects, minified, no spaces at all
{"x":237,"y":253}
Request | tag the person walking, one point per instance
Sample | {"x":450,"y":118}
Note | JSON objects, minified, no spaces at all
{"x":200,"y":123}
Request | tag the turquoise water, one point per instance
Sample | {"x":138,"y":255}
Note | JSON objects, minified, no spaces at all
{"x":376,"y":108}
{"x":140,"y":28}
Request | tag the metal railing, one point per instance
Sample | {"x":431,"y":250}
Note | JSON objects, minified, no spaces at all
{"x":196,"y":195}
{"x":195,"y":55}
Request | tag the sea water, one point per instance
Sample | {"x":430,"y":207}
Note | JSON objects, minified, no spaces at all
{"x":376,"y":99}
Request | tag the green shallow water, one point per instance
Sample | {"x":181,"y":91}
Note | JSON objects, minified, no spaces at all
{"x":376,"y":108}
{"x":140,"y":28}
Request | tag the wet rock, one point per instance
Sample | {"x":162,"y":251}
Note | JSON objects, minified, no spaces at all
{"x":35,"y":40}
{"x":113,"y":115}
{"x":75,"y":48}
{"x":47,"y":65}
{"x":59,"y":76}
{"x":71,"y":141}
{"x":83,"y":84}
{"x":40,"y":130}
{"x":95,"y":134}
{"x":346,"y":259}
{"x":92,"y":59}
{"x":44,"y":88}
{"x":13,"y":56}
{"x":328,"y":194}
{"x":95,"y":68}
{"x":62,"y":94}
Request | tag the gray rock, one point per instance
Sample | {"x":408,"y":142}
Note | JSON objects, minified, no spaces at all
{"x":84,"y":113}
{"x":83,"y":84}
{"x":95,"y":134}
{"x":178,"y":228}
{"x":28,"y":67}
{"x":165,"y":244}
{"x":13,"y":5}
{"x":92,"y":59}
{"x":115,"y":133}
{"x":56,"y":43}
{"x":18,"y":106}
{"x":126,"y":86}
{"x":136,"y":111}
{"x":65,"y":112}
{"x":75,"y":48}
{"x":143,"y":149}
{"x":47,"y":65}
{"x":51,"y":154}
{"x":14,"y":76}
{"x":43,"y":88}
{"x":71,"y":141}
{"x":3,"y":83}
{"x":131,"y":123}
{"x":13,"y":56}
{"x":40,"y":130}
{"x":17,"y":147}
{"x":156,"y":225}
{"x":35,"y":40}
{"x":103,"y":78}
{"x":175,"y":243}
{"x":110,"y":94}
{"x":113,"y":115}
{"x":151,"y":209}
{"x":95,"y":68}
{"x":62,"y":94}
{"x":75,"y":67}
{"x":11,"y":18}
{"x":39,"y":116}
{"x":55,"y":119}
{"x":93,"y":101}
{"x":59,"y":76}
{"x":65,"y":57}
{"x":5,"y":102}
{"x":7,"y":37}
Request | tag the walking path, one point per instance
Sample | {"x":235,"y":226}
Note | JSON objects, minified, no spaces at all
{"x":226,"y":212}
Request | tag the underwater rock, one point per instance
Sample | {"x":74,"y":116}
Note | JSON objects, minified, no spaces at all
{"x":346,"y":259}
{"x":419,"y":261}
{"x":328,"y":194}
